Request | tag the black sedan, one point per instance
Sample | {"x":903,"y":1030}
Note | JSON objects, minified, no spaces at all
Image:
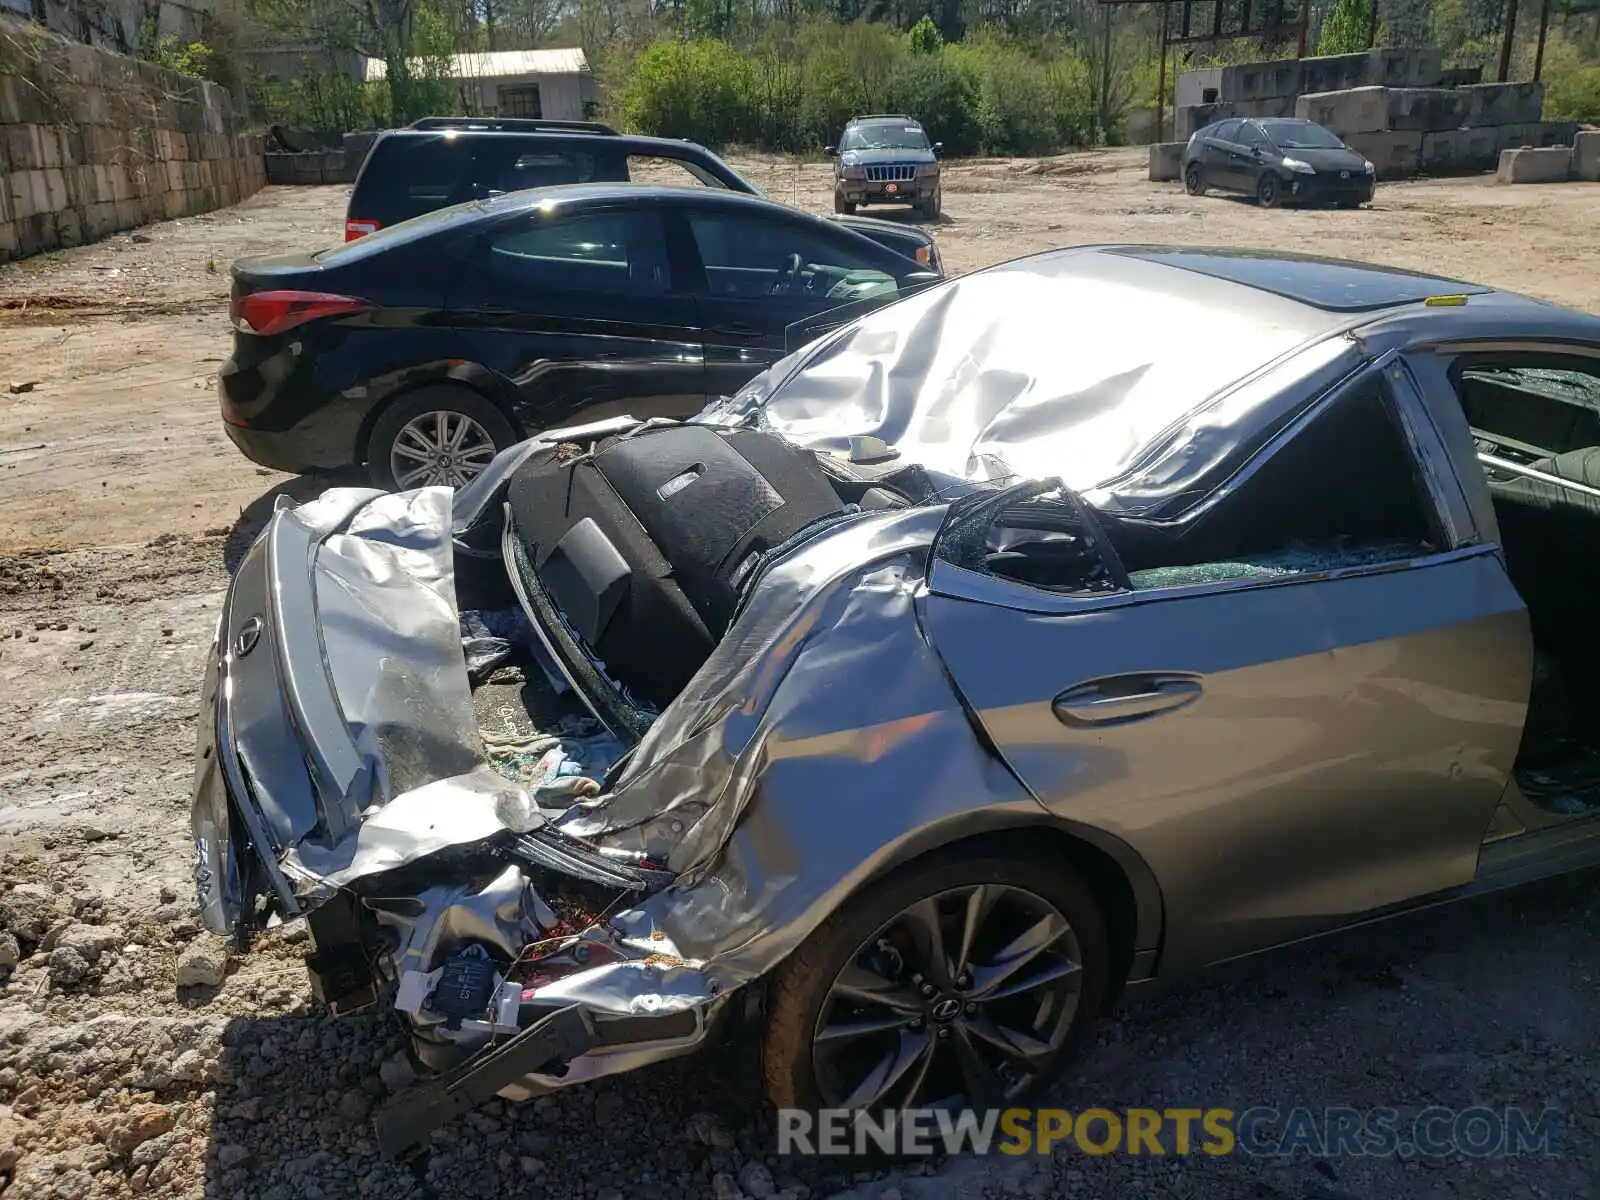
{"x":422,"y":350}
{"x":1278,"y":161}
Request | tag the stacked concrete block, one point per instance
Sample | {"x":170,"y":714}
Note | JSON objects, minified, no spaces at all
{"x":1503,"y":104}
{"x":1422,"y":67}
{"x":1536,"y":135}
{"x":1548,"y":165}
{"x":1335,"y":72}
{"x":119,"y":144}
{"x":310,"y":167}
{"x":1398,"y":107}
{"x":1427,"y":110}
{"x":1250,"y":82}
{"x":1354,"y":110}
{"x":1586,"y":156}
{"x":1394,"y":155}
{"x":1460,"y":151}
{"x":1166,"y":161}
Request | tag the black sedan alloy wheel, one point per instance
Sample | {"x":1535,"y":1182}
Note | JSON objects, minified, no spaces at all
{"x":965,"y":996}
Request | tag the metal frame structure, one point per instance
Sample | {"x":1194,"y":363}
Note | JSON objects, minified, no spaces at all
{"x":1299,"y":28}
{"x":1187,"y":36}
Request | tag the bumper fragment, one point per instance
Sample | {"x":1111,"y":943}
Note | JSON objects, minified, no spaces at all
{"x":403,"y":1125}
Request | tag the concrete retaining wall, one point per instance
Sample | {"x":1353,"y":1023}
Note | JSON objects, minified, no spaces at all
{"x":92,"y":143}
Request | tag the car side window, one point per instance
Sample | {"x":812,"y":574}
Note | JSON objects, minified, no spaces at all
{"x":748,"y":257}
{"x":1344,"y":491}
{"x":669,"y":172}
{"x":516,"y":169}
{"x":1251,"y":137}
{"x":614,"y":251}
{"x":1226,"y":132}
{"x":1536,"y":410}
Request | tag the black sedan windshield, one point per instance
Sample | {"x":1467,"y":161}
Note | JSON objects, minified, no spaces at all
{"x":1300,"y":135}
{"x":885,"y":137}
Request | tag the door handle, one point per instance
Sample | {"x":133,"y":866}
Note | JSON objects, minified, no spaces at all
{"x":1119,"y":699}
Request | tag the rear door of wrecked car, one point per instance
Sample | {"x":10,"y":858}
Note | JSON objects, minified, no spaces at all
{"x":1285,"y":753}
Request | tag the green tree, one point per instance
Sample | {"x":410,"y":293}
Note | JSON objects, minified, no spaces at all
{"x":1346,"y":29}
{"x":924,"y":37}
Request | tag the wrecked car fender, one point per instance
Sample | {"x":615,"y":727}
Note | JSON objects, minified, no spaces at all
{"x":797,"y":792}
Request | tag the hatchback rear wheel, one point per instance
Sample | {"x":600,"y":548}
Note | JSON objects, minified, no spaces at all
{"x":436,"y":436}
{"x":1194,"y":180}
{"x":959,"y":982}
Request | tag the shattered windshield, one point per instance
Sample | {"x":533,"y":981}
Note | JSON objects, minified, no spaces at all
{"x":884,"y":137}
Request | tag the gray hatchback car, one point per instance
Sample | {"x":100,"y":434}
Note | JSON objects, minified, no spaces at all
{"x":1107,"y":662}
{"x":886,"y":159}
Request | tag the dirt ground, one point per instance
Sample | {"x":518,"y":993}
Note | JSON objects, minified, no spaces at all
{"x":122,"y":507}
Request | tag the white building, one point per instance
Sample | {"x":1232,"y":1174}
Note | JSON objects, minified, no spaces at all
{"x":554,"y":84}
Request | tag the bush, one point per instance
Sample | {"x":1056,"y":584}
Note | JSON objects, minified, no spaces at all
{"x":699,"y":89}
{"x":942,"y":93}
{"x":1571,"y":82}
{"x":795,"y":89}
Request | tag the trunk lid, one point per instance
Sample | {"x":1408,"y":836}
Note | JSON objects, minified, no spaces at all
{"x":337,"y":684}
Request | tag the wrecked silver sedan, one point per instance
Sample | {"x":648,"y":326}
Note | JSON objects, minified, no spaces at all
{"x":1081,"y":621}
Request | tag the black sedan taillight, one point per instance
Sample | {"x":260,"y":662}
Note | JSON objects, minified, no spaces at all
{"x":269,"y":313}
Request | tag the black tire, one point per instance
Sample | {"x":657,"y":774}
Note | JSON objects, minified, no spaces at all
{"x":448,"y":399}
{"x":1269,"y":193}
{"x":843,"y":206}
{"x":1194,"y":180}
{"x":801,"y":986}
{"x":931,"y":207}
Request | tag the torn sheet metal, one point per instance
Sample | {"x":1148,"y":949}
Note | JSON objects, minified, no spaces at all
{"x":386,"y":604}
{"x":755,"y":782}
{"x":708,"y":741}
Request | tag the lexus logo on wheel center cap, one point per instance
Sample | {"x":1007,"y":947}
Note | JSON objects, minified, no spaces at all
{"x":247,"y":637}
{"x":946,"y":1009}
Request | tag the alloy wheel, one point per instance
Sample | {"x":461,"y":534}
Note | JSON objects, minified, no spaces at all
{"x":1267,"y":191}
{"x":440,"y":448}
{"x":963,"y":999}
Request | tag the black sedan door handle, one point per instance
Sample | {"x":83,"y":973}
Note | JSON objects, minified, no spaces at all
{"x":1119,"y":699}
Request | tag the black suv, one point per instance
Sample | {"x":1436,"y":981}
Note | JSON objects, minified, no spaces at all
{"x":886,"y":159}
{"x":440,"y":161}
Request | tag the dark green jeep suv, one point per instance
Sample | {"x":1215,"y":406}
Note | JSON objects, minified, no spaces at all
{"x":886,"y":159}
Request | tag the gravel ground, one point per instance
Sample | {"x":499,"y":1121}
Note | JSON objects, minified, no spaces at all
{"x":138,"y":1058}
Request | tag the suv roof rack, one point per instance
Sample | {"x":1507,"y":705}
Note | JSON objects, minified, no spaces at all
{"x":514,"y":124}
{"x":883,"y":117}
